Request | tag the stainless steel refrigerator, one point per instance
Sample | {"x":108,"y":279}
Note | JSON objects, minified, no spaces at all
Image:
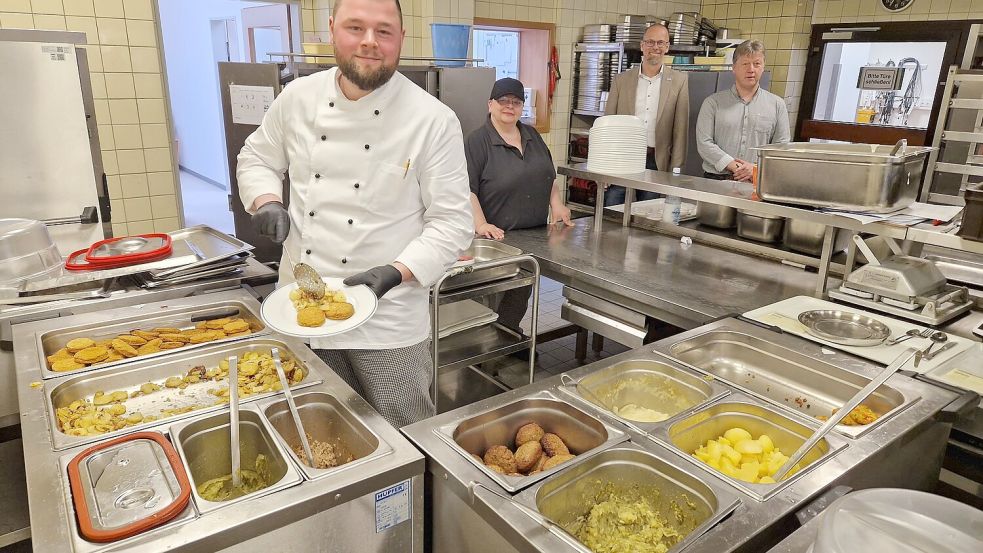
{"x":50,"y":163}
{"x":463,"y":89}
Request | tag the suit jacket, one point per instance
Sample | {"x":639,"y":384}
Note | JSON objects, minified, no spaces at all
{"x":672,"y":122}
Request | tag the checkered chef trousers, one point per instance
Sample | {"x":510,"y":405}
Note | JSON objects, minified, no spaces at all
{"x":396,"y":382}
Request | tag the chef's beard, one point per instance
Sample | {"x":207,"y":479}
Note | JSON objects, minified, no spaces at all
{"x":367,"y":80}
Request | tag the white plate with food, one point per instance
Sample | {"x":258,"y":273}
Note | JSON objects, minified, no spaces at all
{"x":289,"y":311}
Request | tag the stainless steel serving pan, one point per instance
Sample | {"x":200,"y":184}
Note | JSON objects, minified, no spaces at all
{"x":584,"y":434}
{"x":63,"y":391}
{"x":856,"y":177}
{"x":184,"y":318}
{"x":685,"y":435}
{"x":204,"y":447}
{"x":784,"y":377}
{"x":326,"y":420}
{"x":659,"y":384}
{"x":756,"y":226}
{"x":485,"y":250}
{"x":689,"y":501}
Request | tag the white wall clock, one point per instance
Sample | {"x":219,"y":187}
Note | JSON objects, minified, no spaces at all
{"x":896,"y":5}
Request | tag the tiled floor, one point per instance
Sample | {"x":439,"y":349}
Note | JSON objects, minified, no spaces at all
{"x":205,"y":204}
{"x":554,"y":357}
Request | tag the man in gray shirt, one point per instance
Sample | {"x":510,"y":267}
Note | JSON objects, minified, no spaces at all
{"x":731,"y":122}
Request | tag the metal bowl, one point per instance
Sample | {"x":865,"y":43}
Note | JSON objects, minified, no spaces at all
{"x":844,"y":327}
{"x":26,"y":251}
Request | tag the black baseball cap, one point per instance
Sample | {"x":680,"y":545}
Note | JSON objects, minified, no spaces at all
{"x":506,"y":86}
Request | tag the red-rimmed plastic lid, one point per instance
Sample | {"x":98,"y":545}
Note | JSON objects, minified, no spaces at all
{"x":126,"y":486}
{"x":121,"y":252}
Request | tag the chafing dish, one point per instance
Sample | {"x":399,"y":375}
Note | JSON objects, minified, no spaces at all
{"x":583,"y":434}
{"x":785,"y":377}
{"x":63,"y":391}
{"x":688,"y":501}
{"x":204,"y":448}
{"x":661,"y":385}
{"x":856,"y":177}
{"x":328,"y":421}
{"x":685,"y":435}
{"x":183,"y":318}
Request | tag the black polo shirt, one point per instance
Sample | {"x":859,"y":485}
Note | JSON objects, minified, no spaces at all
{"x":513,"y":188}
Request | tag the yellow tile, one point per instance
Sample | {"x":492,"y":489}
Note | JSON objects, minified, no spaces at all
{"x":106,"y":141}
{"x":79,"y":7}
{"x":120,"y":85}
{"x":111,"y":31}
{"x":108,"y":8}
{"x":134,"y":186}
{"x":148,"y":85}
{"x":139,"y":9}
{"x":163,"y":206}
{"x":140,"y":227}
{"x":85,"y":25}
{"x":137,"y":209}
{"x":124,"y":111}
{"x":154,"y":136}
{"x":16,"y":21}
{"x":102,"y":112}
{"x":959,"y":6}
{"x":116,"y":59}
{"x":151,"y":110}
{"x":92,"y":55}
{"x":118,"y":210}
{"x":145,"y":60}
{"x":110,"y":166}
{"x":141,"y":33}
{"x":115,"y":191}
{"x":158,"y":159}
{"x":50,"y":22}
{"x":940,"y":6}
{"x":47,"y":7}
{"x":773,"y":24}
{"x":119,"y":229}
{"x":127,"y":137}
{"x":774,"y":8}
{"x":98,"y":83}
{"x":167,"y":224}
{"x":161,"y":183}
{"x":15,"y":6}
{"x":130,"y":161}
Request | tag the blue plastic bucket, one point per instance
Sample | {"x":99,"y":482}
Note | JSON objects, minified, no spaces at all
{"x":450,"y":41}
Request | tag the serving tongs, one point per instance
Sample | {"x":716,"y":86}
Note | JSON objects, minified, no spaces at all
{"x":275,"y":352}
{"x":234,"y":422}
{"x":11,"y":297}
{"x":543,"y":521}
{"x":845,"y":410}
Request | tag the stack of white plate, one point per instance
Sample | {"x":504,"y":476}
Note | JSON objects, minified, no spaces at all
{"x":617,"y":145}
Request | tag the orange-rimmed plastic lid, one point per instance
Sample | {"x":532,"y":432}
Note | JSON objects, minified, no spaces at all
{"x":127,"y":486}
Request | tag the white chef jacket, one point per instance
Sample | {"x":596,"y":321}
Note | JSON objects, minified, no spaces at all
{"x":372,"y":181}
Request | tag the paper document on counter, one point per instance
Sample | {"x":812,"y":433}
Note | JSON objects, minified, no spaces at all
{"x":912,"y":215}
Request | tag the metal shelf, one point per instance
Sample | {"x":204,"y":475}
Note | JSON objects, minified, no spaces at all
{"x":576,"y":159}
{"x":477,"y":345}
{"x":588,"y":113}
{"x":525,"y":278}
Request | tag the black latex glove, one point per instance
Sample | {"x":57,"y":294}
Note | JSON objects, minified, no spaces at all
{"x":379,"y":279}
{"x":272,"y":221}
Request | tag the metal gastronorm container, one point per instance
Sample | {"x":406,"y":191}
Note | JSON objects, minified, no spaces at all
{"x":858,"y":177}
{"x":63,"y":391}
{"x":485,"y":250}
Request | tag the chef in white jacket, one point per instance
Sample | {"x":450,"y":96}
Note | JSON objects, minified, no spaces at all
{"x":378,"y":194}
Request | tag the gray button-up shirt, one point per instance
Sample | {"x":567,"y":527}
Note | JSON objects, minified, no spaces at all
{"x":728,"y":127}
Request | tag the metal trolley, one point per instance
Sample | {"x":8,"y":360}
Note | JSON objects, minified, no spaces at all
{"x":458,"y":353}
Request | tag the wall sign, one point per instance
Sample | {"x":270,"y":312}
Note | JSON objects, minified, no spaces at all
{"x":880,"y":78}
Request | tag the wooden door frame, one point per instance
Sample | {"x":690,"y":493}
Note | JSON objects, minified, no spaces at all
{"x":953,"y":33}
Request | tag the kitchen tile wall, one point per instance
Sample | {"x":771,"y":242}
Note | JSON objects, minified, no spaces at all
{"x":127,"y":85}
{"x":852,"y":11}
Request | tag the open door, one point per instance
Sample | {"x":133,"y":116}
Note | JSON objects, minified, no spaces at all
{"x":273,"y":28}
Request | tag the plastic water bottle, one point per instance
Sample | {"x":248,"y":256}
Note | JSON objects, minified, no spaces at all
{"x":673,"y":205}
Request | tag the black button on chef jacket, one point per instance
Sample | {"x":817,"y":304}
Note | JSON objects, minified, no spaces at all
{"x":513,"y":188}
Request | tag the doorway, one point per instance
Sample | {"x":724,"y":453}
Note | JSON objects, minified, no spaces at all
{"x":196,"y":36}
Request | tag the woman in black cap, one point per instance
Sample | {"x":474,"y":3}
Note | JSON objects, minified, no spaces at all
{"x":512,"y":181}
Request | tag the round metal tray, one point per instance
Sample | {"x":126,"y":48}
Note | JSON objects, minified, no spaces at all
{"x":844,"y":327}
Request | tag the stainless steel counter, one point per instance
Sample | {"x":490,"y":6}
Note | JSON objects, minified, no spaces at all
{"x":339,"y":509}
{"x":654,"y":274}
{"x":903,"y":451}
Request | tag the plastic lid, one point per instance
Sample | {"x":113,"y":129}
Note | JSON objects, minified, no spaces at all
{"x":899,"y":521}
{"x":126,"y":486}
